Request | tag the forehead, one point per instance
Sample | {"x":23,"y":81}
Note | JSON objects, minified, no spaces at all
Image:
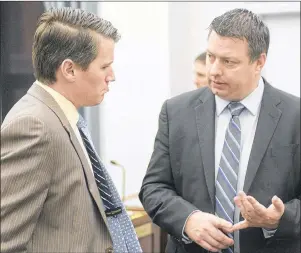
{"x":105,"y":48}
{"x":227,"y":46}
{"x":199,"y":65}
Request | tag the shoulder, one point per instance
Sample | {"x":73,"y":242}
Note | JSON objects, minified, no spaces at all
{"x":30,"y":114}
{"x":188,"y":99}
{"x":285,"y":98}
{"x":289,"y":104}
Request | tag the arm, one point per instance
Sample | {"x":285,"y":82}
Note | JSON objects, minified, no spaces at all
{"x":289,"y":225}
{"x":169,"y":210}
{"x":158,"y":193}
{"x":25,"y":179}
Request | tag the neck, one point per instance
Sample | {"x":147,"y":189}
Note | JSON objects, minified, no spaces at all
{"x":62,"y":89}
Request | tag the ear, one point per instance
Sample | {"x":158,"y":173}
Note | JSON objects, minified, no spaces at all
{"x":67,"y":69}
{"x":260,"y":62}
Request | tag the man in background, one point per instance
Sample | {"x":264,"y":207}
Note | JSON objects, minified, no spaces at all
{"x":200,"y":79}
{"x":56,"y":195}
{"x":224,"y":175}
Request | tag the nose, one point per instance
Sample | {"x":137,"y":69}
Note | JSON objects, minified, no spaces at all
{"x":111,"y":76}
{"x":215,"y":69}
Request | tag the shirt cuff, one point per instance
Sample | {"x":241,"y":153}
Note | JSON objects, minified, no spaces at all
{"x":185,"y":238}
{"x":268,"y":233}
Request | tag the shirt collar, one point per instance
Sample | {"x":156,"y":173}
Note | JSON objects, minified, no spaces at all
{"x":251,"y":102}
{"x":67,"y":107}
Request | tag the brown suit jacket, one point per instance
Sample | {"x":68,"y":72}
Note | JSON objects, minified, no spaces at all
{"x":49,"y":198}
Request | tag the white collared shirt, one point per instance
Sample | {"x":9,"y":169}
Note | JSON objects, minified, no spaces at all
{"x":248,"y":121}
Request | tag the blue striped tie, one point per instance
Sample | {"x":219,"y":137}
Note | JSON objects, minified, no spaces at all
{"x":226,"y":182}
{"x":121,"y":228}
{"x":99,"y":175}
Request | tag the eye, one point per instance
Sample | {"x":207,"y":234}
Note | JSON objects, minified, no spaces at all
{"x":211,"y":57}
{"x":105,"y":67}
{"x":228,"y":62}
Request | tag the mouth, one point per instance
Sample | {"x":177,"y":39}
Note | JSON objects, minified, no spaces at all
{"x":217,"y":83}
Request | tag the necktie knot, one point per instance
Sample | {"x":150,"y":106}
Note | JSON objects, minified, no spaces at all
{"x":235,"y":108}
{"x":81,"y":123}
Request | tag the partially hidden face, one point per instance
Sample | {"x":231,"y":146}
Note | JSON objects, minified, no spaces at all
{"x":200,"y":79}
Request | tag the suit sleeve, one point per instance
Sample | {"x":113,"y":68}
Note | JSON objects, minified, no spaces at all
{"x":26,"y":155}
{"x":158,"y":193}
{"x":289,"y":226}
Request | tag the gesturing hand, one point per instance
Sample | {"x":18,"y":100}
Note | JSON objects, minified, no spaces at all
{"x":207,"y":231}
{"x":257,"y":215}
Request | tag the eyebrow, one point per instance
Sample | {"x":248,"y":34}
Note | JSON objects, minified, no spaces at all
{"x":107,"y":64}
{"x":224,"y":58}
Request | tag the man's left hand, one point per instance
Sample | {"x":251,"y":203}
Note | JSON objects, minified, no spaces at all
{"x":257,"y":215}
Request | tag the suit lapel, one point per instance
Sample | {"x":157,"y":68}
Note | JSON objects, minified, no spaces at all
{"x":48,"y":100}
{"x":89,"y":176}
{"x":267,"y":122}
{"x":205,"y":121}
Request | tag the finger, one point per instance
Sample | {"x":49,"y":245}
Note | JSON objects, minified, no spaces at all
{"x":221,"y":223}
{"x":241,"y":207}
{"x":226,"y":230}
{"x":247,"y":210}
{"x":240,"y":225}
{"x":213,"y":242}
{"x":223,"y":240}
{"x":247,"y":205}
{"x":278,"y":204}
{"x":206,"y":245}
{"x":259,"y":208}
{"x":237,"y":201}
{"x":242,"y":194}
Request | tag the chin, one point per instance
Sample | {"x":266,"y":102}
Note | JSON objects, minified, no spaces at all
{"x":94,"y":102}
{"x":98,"y":102}
{"x":221,"y":94}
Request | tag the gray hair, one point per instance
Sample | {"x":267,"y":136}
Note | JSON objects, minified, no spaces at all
{"x":67,"y":33}
{"x":243,"y":24}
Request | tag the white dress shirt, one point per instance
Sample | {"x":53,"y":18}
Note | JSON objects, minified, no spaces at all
{"x":248,"y":121}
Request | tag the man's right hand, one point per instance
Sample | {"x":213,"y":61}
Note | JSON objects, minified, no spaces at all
{"x":207,"y":230}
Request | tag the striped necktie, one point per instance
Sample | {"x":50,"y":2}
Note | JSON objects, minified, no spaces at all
{"x":99,"y":175}
{"x":121,"y":228}
{"x":227,"y":176}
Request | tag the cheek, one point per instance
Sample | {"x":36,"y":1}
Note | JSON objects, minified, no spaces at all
{"x":97,"y":79}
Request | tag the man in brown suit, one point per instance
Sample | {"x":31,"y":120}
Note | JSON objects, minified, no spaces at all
{"x":52,"y":195}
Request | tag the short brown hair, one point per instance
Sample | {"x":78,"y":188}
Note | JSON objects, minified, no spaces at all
{"x":243,"y":24}
{"x":67,"y":33}
{"x":201,"y":57}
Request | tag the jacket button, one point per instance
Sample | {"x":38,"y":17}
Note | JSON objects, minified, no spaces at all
{"x":109,"y":250}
